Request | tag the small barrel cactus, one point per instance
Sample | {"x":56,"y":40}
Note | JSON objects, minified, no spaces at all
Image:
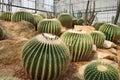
{"x":43,"y":15}
{"x":1,"y":33}
{"x":111,"y":31}
{"x":22,"y":15}
{"x":52,"y":26}
{"x":9,"y":78}
{"x":6,"y":16}
{"x":80,"y":44}
{"x":80,"y":21}
{"x":65,"y":19}
{"x":74,"y":22}
{"x":45,"y":57}
{"x":97,"y":25}
{"x":100,"y":71}
{"x":37,"y":19}
{"x":98,"y":38}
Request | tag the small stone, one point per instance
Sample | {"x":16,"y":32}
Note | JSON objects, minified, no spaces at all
{"x":108,"y":44}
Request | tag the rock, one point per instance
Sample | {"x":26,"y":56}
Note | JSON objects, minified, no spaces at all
{"x":94,"y":48}
{"x":10,"y":50}
{"x":86,"y":28}
{"x":108,"y":44}
{"x":106,"y":54}
{"x":18,"y":29}
{"x":113,"y":51}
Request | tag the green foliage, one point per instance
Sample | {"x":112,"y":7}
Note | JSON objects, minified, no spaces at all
{"x":52,"y":26}
{"x":111,"y":31}
{"x":45,"y":57}
{"x":65,"y":19}
{"x":22,"y":15}
{"x":1,"y":33}
{"x":74,"y":22}
{"x":80,"y":44}
{"x":97,"y":25}
{"x":80,"y":21}
{"x":100,"y":71}
{"x":6,"y":16}
{"x":98,"y":38}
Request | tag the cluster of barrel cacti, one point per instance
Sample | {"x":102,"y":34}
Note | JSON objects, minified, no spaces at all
{"x":6,"y":16}
{"x":80,"y":44}
{"x":45,"y":57}
{"x":100,"y":71}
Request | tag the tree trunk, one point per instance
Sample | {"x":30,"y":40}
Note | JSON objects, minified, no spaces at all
{"x":117,"y":13}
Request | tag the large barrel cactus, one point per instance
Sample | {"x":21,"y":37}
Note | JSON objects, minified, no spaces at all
{"x":45,"y":57}
{"x":98,"y":38}
{"x":22,"y":15}
{"x":100,"y":71}
{"x":1,"y":33}
{"x":6,"y":16}
{"x":65,"y":19}
{"x":111,"y":31}
{"x":80,"y":44}
{"x":37,"y":19}
{"x":52,"y":26}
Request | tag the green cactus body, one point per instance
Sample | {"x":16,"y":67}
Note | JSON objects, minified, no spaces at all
{"x":74,"y":22}
{"x":111,"y":31}
{"x":80,"y":44}
{"x":6,"y":16}
{"x":65,"y":19}
{"x":80,"y":21}
{"x":37,"y":18}
{"x":100,"y":71}
{"x":43,"y":15}
{"x":1,"y":33}
{"x":52,"y":26}
{"x":9,"y":78}
{"x":98,"y":38}
{"x":45,"y":57}
{"x":22,"y":15}
{"x":97,"y":25}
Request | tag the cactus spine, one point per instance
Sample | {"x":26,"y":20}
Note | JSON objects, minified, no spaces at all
{"x":111,"y":31}
{"x":100,"y":71}
{"x":22,"y":15}
{"x":45,"y":57}
{"x":52,"y":26}
{"x":80,"y":44}
{"x":98,"y":38}
{"x":6,"y":16}
{"x":65,"y":19}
